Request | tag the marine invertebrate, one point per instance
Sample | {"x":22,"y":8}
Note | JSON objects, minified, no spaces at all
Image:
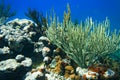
{"x":96,"y":72}
{"x":69,"y":73}
{"x":5,"y":12}
{"x":57,"y":65}
{"x":39,"y":19}
{"x":86,"y":42}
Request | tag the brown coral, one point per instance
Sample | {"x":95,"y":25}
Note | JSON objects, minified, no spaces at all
{"x":101,"y":69}
{"x":58,"y":67}
{"x":70,"y":73}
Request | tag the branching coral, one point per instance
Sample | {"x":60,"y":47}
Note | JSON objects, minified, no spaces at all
{"x":86,"y":42}
{"x":5,"y":12}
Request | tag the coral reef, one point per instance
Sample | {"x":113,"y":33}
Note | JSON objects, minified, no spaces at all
{"x":71,"y":51}
{"x":96,"y":72}
{"x":10,"y":68}
{"x":70,"y":73}
{"x":16,"y":37}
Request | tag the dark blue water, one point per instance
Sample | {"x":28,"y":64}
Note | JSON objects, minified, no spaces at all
{"x":80,"y":9}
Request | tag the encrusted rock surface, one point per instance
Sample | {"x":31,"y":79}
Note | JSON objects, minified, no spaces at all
{"x":18,"y":35}
{"x":19,"y":58}
{"x":5,"y":53}
{"x":35,"y":76}
{"x":11,"y":69}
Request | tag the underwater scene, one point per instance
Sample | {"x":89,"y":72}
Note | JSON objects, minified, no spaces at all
{"x":60,"y":40}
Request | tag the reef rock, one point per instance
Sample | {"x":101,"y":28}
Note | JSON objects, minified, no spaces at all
{"x":16,"y":35}
{"x":11,"y":69}
{"x":46,"y":51}
{"x":20,"y":22}
{"x":35,"y":76}
{"x":20,"y":58}
{"x":44,"y":39}
{"x":95,"y":72}
{"x":38,"y":46}
{"x":5,"y":53}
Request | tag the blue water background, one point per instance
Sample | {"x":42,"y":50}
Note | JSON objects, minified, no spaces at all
{"x":80,"y":9}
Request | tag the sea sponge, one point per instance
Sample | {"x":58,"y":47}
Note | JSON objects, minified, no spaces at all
{"x":57,"y":67}
{"x":69,"y":69}
{"x":70,"y":73}
{"x":101,"y":69}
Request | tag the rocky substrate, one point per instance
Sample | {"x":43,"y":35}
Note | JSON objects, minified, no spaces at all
{"x":26,"y":55}
{"x":62,"y":69}
{"x":15,"y":69}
